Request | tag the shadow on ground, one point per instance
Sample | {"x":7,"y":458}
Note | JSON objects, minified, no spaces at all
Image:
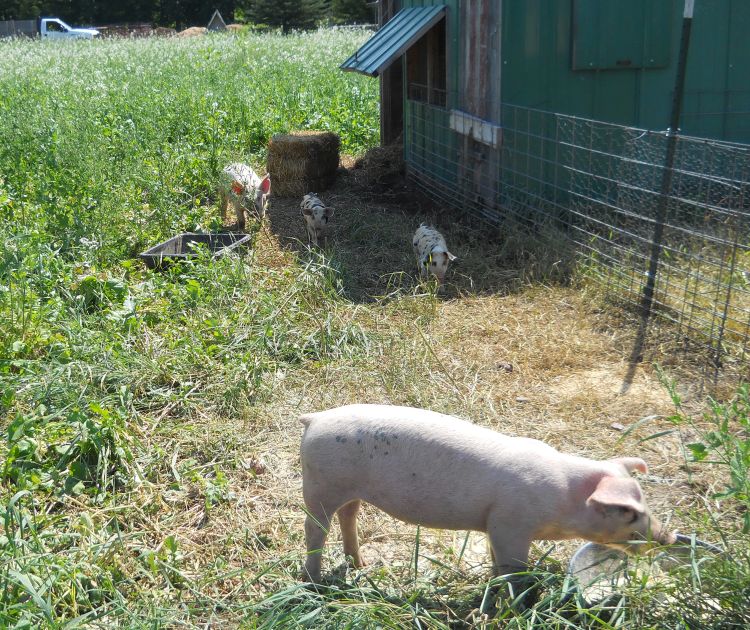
{"x":377,"y":211}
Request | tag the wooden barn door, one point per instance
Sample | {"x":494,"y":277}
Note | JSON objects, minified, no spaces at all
{"x":479,"y":96}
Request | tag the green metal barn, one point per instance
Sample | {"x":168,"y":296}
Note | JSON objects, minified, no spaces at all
{"x":556,"y":113}
{"x":610,"y":60}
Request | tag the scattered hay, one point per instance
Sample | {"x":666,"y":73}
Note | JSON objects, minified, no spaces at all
{"x":380,"y":165}
{"x":389,"y":158}
{"x":193,"y":31}
{"x":303,"y":161}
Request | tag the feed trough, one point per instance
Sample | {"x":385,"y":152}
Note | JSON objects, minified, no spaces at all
{"x":599,"y":573}
{"x":188,"y":245}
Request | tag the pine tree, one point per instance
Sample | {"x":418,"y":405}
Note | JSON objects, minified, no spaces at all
{"x":352,"y":12}
{"x":288,"y":14}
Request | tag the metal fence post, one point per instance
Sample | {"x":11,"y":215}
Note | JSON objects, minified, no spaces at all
{"x":666,"y":181}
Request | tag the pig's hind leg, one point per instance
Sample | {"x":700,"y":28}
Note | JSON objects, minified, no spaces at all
{"x":320,"y":511}
{"x":348,"y":521}
{"x":317,"y":524}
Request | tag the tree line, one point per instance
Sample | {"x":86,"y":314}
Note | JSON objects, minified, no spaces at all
{"x":285,"y":14}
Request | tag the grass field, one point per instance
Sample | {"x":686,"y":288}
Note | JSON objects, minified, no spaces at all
{"x":150,"y":473}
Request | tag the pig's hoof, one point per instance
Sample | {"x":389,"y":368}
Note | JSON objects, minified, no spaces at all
{"x":304,"y":576}
{"x":357,"y":562}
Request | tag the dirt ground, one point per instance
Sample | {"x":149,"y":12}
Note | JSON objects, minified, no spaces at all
{"x":539,"y":358}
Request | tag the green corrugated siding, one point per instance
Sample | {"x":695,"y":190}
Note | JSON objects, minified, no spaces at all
{"x":538,"y":54}
{"x":610,"y":35}
{"x":537,"y":72}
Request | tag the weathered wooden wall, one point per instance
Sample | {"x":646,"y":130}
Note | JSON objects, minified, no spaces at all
{"x":391,"y":85}
{"x":479,"y":95}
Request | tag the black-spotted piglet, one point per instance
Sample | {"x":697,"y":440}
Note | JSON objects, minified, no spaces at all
{"x":316,"y":215}
{"x":431,"y":252}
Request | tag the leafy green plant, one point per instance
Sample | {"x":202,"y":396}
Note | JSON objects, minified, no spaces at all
{"x":723,"y":441}
{"x":70,"y":453}
{"x":727,"y":444}
{"x":104,"y":364}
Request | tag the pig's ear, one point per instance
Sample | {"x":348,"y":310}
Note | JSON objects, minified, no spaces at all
{"x":451,"y":257}
{"x":632,"y":463}
{"x":328,"y":212}
{"x":265,"y":185}
{"x":617,"y":496}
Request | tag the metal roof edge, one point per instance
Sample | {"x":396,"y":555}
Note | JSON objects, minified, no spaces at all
{"x":393,"y":39}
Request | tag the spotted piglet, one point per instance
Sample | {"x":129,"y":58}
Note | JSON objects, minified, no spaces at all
{"x":431,"y":252}
{"x":241,"y":186}
{"x":316,"y":216}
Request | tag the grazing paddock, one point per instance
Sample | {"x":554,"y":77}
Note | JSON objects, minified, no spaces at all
{"x":150,"y":467}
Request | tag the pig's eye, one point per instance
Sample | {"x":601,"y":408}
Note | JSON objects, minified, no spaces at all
{"x":626,"y":511}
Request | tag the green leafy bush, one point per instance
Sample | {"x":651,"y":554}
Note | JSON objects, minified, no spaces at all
{"x":76,"y":452}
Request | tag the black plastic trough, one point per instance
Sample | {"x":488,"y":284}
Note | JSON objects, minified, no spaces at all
{"x":187,"y":245}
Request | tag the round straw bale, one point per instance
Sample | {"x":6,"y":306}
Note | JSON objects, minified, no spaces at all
{"x":302,"y":161}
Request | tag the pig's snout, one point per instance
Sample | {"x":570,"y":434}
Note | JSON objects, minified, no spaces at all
{"x":650,"y":532}
{"x":666,"y":538}
{"x":643,"y":535}
{"x":653,"y":535}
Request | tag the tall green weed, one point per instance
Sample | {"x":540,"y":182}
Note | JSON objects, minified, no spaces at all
{"x":109,"y":147}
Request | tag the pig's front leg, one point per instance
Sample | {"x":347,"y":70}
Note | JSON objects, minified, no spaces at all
{"x":510,"y":551}
{"x":239,"y":211}
{"x":223,"y":203}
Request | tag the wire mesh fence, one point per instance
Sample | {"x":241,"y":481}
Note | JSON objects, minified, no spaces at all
{"x":599,"y":185}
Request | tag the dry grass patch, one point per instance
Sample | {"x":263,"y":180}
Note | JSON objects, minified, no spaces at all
{"x":522,"y":358}
{"x":453,"y":361}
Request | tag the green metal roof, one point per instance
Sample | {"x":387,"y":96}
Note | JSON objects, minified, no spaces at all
{"x":393,"y":39}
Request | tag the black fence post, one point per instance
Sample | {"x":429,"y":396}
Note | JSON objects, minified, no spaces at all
{"x":667,"y":173}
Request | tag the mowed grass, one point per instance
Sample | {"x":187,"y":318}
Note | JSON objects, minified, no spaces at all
{"x":149,"y":467}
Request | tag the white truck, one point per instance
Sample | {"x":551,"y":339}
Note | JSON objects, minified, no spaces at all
{"x":50,"y":27}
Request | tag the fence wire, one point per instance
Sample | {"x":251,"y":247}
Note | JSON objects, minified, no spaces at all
{"x":599,"y":185}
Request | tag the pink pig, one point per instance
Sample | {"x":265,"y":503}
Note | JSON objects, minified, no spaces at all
{"x":438,"y":471}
